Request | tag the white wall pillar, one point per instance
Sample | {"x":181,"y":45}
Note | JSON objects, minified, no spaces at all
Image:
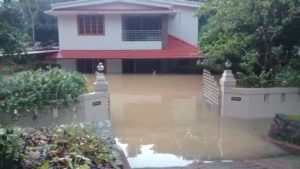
{"x":96,"y":105}
{"x":226,"y":82}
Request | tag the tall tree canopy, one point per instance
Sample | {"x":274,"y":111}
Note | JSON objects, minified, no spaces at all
{"x":40,"y":27}
{"x":261,"y":38}
{"x":12,"y":36}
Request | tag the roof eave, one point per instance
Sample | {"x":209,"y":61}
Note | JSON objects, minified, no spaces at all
{"x":187,"y":5}
{"x":56,"y":13}
{"x":73,"y":4}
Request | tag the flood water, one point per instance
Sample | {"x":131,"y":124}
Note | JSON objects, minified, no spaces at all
{"x":159,"y":121}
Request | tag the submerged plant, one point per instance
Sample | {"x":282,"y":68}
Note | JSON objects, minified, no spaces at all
{"x":30,"y":90}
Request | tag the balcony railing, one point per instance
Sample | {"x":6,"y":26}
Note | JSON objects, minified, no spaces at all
{"x":142,"y":35}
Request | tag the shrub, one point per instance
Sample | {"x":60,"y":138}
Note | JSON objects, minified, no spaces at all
{"x":30,"y":90}
{"x":78,"y":146}
{"x":10,"y":147}
{"x":289,"y":78}
{"x":261,"y":38}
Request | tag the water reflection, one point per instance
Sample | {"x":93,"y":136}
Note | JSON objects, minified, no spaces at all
{"x":159,"y":122}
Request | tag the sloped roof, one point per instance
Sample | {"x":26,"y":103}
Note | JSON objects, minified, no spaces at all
{"x":146,"y":7}
{"x":177,"y":49}
{"x":154,"y":3}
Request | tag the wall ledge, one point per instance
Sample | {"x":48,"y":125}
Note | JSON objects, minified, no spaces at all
{"x":254,"y":91}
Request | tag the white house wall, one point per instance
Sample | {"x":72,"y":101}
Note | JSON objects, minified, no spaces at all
{"x":111,"y":40}
{"x":68,"y":64}
{"x":184,"y":25}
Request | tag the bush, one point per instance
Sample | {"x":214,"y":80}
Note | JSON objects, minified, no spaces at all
{"x":261,"y":38}
{"x":78,"y":146}
{"x":10,"y":147}
{"x":289,"y":78}
{"x":30,"y":90}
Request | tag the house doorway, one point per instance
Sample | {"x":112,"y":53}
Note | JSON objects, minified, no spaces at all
{"x":88,"y":65}
{"x":172,"y":66}
{"x":144,"y":66}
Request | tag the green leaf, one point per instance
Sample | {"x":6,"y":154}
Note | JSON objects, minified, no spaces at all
{"x":45,"y":165}
{"x":85,"y":166}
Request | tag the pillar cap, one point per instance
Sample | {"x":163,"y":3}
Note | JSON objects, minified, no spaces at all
{"x":100,"y":67}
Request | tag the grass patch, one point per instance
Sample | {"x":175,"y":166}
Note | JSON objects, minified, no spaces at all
{"x":294,"y":117}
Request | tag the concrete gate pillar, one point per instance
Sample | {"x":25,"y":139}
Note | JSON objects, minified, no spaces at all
{"x":96,"y":105}
{"x":226,"y":82}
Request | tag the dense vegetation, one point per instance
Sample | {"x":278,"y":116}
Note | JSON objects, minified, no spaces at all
{"x":12,"y":35}
{"x":261,"y":38}
{"x":22,"y":23}
{"x":32,"y":90}
{"x":75,"y":146}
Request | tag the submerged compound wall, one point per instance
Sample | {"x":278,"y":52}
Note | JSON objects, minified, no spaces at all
{"x":256,"y":102}
{"x":91,"y":107}
{"x":261,"y":102}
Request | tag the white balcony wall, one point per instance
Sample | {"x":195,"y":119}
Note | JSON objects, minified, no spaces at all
{"x":111,"y":40}
{"x":184,"y":25}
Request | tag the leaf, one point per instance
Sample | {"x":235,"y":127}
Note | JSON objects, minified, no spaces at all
{"x":45,"y":165}
{"x":85,"y":166}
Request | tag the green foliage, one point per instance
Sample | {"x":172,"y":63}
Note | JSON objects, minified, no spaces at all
{"x":10,"y":147}
{"x":45,"y":25}
{"x":30,"y":90}
{"x":253,"y":80}
{"x":294,"y":117}
{"x":259,"y":37}
{"x":289,"y":78}
{"x":73,"y":146}
{"x":40,"y":26}
{"x":12,"y":37}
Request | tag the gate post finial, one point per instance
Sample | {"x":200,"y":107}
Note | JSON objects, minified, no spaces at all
{"x":227,"y":79}
{"x":100,"y":83}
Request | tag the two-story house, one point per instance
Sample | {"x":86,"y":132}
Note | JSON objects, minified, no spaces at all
{"x":127,"y":35}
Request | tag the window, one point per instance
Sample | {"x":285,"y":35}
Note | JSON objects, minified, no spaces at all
{"x":142,"y":22}
{"x":141,"y":28}
{"x":90,"y":24}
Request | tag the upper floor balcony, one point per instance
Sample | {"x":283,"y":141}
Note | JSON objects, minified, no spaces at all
{"x":141,"y":35}
{"x":144,"y":28}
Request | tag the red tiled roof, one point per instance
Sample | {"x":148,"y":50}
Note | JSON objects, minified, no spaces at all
{"x":177,"y":49}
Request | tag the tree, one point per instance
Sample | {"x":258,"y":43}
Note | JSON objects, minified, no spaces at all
{"x":41,"y":27}
{"x":12,"y":36}
{"x":45,"y":25}
{"x":261,"y":38}
{"x":30,"y":10}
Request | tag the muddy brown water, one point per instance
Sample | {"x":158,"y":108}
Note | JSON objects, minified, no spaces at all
{"x":159,"y":121}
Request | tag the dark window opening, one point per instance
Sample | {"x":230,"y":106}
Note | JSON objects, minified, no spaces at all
{"x":90,"y":24}
{"x":142,"y":28}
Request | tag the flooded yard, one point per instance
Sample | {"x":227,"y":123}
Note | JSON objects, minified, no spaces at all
{"x":159,"y":121}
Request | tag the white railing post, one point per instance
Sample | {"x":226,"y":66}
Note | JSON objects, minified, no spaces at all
{"x":226,"y":82}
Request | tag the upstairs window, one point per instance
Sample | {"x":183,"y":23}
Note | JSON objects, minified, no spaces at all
{"x":90,"y":24}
